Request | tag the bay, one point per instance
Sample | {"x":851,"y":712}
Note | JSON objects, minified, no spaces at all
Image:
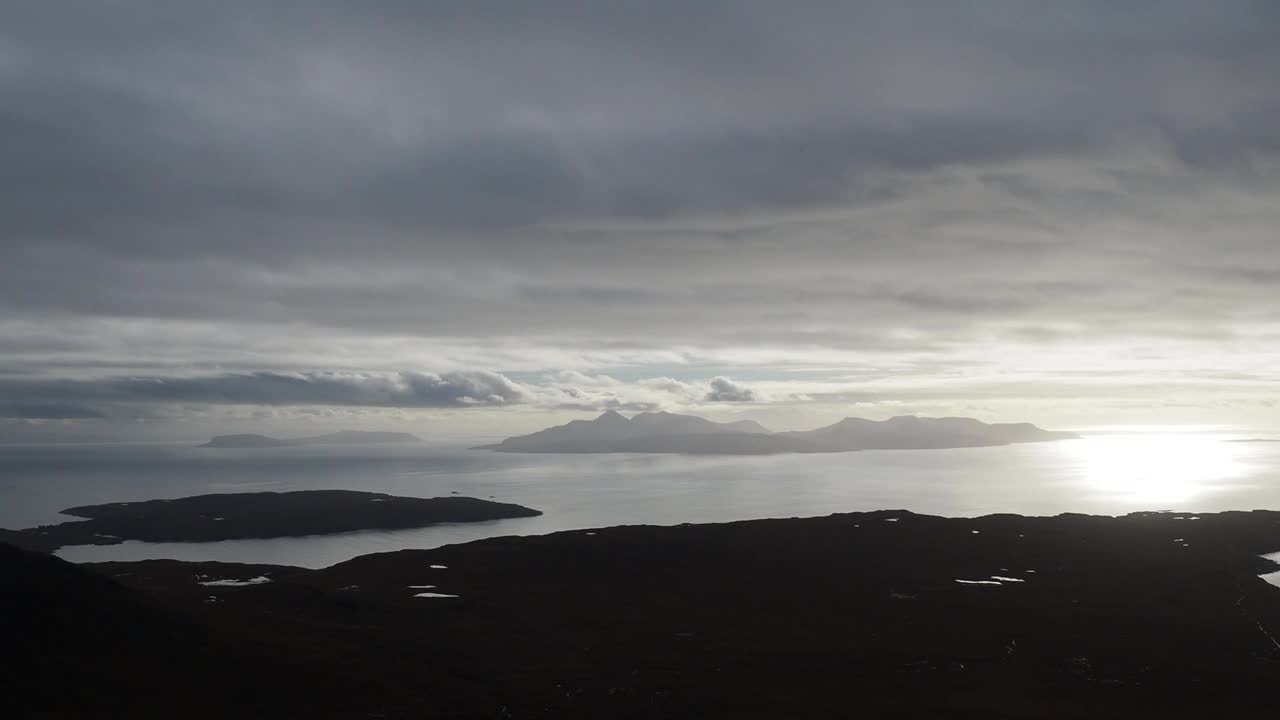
{"x":1111,"y":472}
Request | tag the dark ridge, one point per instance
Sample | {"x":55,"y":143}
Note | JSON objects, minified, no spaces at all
{"x":80,"y":644}
{"x":1148,"y":615}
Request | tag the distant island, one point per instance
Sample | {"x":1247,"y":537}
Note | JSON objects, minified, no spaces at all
{"x":662,"y":432}
{"x":342,"y":437}
{"x":238,"y":516}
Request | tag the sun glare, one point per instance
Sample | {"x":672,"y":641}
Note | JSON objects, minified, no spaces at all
{"x":1155,"y":469}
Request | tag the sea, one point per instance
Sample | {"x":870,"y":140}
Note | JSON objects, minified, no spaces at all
{"x":1108,"y":471}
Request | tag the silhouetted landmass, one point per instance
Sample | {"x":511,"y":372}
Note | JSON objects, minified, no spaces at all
{"x":706,"y":444}
{"x":246,"y":440}
{"x":342,"y":437}
{"x":612,"y":431}
{"x":79,"y":644}
{"x":908,"y":432}
{"x":650,"y":423}
{"x":1148,"y":615}
{"x":668,"y":433}
{"x":236,"y":516}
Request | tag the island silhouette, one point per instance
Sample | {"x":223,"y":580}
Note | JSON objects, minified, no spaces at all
{"x":342,"y":437}
{"x":664,"y":432}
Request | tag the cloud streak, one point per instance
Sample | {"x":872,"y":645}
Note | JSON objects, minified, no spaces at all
{"x":400,"y":390}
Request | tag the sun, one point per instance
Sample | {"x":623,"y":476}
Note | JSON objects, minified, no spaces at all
{"x":1155,"y":470}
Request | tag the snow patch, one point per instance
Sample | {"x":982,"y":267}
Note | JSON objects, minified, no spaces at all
{"x":237,"y":583}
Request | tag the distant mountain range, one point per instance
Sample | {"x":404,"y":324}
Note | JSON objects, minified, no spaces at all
{"x":342,"y":437}
{"x":663,"y":432}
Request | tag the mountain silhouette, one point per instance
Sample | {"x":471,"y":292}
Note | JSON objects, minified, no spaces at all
{"x":663,"y":432}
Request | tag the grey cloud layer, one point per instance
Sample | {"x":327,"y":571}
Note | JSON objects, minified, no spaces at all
{"x":146,"y":116}
{"x":402,"y":390}
{"x":299,"y":186}
{"x":125,"y":396}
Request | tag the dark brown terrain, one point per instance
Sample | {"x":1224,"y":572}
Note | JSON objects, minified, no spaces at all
{"x":1149,"y":615}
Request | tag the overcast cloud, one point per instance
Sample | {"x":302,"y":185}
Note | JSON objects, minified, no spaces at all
{"x":504,"y":208}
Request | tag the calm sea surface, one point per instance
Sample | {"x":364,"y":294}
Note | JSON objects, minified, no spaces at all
{"x":1104,"y":473}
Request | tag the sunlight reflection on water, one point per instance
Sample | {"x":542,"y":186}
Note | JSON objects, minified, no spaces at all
{"x":1157,"y":469}
{"x":1273,"y":578}
{"x":1106,"y":473}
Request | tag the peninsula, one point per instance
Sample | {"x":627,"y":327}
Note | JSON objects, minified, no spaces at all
{"x":238,"y":516}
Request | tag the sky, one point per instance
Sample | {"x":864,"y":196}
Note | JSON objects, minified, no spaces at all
{"x":481,"y":217}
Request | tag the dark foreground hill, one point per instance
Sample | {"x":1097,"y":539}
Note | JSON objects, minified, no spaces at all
{"x":859,"y":615}
{"x":78,"y":644}
{"x":238,"y":516}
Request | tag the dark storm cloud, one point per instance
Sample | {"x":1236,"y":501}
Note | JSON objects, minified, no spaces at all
{"x":402,"y":390}
{"x":725,"y":390}
{"x":28,"y":411}
{"x":146,"y":115}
